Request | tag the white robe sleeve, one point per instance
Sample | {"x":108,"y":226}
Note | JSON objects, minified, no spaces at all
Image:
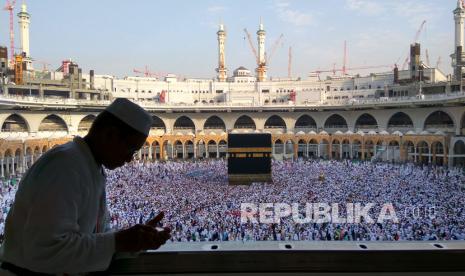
{"x":53,"y":242}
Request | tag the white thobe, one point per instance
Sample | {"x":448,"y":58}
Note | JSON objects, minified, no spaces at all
{"x":51,"y":226}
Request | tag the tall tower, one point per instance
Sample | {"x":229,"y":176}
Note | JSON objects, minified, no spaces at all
{"x":24,"y":21}
{"x":459,"y":45}
{"x":222,"y":72}
{"x":261,"y":69}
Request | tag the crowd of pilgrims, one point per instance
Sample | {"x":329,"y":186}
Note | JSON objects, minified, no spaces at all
{"x":199,"y":204}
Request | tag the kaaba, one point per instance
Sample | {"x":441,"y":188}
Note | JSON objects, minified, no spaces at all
{"x":249,"y":158}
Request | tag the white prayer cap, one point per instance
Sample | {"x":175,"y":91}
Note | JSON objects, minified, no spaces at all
{"x":132,"y":114}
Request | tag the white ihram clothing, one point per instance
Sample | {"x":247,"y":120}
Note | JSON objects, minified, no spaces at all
{"x":52,"y":225}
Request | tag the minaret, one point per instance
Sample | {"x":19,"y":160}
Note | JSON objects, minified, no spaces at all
{"x":261,"y":70}
{"x":222,"y":72}
{"x":459,"y":18}
{"x":24,"y":21}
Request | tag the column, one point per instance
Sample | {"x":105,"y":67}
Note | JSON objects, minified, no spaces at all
{"x":330,"y":148}
{"x":172,"y":151}
{"x":184,"y":151}
{"x":13,"y":165}
{"x":195,"y":149}
{"x":2,"y":173}
{"x":306,"y":150}
{"x":351,"y":153}
{"x":362,"y":149}
{"x":340,"y":151}
{"x":150,"y":152}
{"x":429,"y":155}
{"x":415,"y":154}
{"x":318,"y":150}
{"x":218,"y":150}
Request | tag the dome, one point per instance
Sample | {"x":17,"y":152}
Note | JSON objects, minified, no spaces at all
{"x":290,"y":132}
{"x":439,"y":133}
{"x":212,"y":133}
{"x":313,"y":132}
{"x":338,"y":132}
{"x":179,"y":133}
{"x":300,"y":133}
{"x":191,"y":134}
{"x":323,"y":132}
{"x":349,"y":132}
{"x":371,"y":132}
{"x":397,"y":133}
{"x":360,"y":132}
{"x":410,"y":132}
{"x":201,"y":133}
{"x":424,"y":132}
{"x":384,"y":132}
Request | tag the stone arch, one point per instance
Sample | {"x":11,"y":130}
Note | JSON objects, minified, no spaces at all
{"x":156,"y":150}
{"x":335,"y":149}
{"x":366,"y":121}
{"x":438,"y":153}
{"x":189,"y":148}
{"x":400,"y":121}
{"x":214,"y":122}
{"x":15,"y":123}
{"x":184,"y":123}
{"x":336,"y":121}
{"x":423,"y":152}
{"x":53,"y":123}
{"x":346,"y":150}
{"x":222,"y":148}
{"x":245,"y":122}
{"x":313,"y":148}
{"x":305,"y":123}
{"x":275,"y":122}
{"x":289,"y":147}
{"x":439,"y":120}
{"x":211,"y":149}
{"x":278,"y":147}
{"x":369,"y":149}
{"x":86,"y":122}
{"x":356,"y":149}
{"x":158,"y":124}
{"x":178,"y":149}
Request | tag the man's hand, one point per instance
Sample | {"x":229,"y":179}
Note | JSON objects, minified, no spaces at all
{"x":142,"y":236}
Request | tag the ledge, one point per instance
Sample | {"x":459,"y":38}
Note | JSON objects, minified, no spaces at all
{"x":297,"y":257}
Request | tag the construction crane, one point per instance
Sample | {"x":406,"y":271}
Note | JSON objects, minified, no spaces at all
{"x":289,"y":63}
{"x":273,"y":49}
{"x":334,"y":70}
{"x":249,"y":38}
{"x":344,"y":59}
{"x":10,"y":6}
{"x":146,"y":72}
{"x":415,"y":40}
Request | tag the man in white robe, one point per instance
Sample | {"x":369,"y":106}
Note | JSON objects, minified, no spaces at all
{"x":57,"y":223}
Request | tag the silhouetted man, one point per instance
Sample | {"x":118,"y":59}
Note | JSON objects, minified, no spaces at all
{"x":58,"y":222}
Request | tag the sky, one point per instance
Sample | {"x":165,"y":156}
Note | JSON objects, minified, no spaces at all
{"x":173,"y":36}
